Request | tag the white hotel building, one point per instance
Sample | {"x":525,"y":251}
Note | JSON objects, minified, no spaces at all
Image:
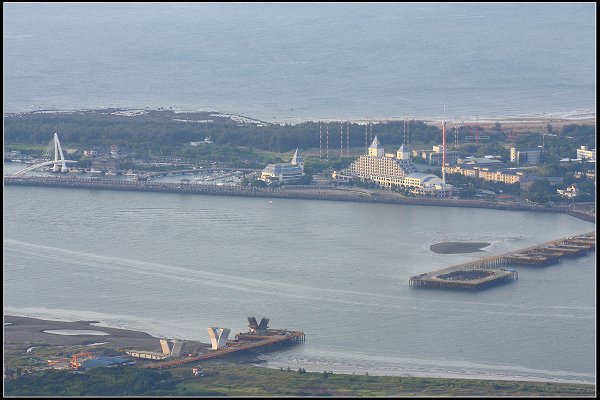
{"x":390,"y":170}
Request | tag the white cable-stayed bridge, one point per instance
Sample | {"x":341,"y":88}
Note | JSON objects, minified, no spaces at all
{"x":59,"y":163}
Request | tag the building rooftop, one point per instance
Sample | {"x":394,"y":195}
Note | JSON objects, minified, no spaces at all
{"x":481,"y":160}
{"x":103,"y":362}
{"x":376,"y":144}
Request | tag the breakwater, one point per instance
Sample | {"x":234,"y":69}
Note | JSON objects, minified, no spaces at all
{"x":291,"y":192}
{"x":483,"y":272}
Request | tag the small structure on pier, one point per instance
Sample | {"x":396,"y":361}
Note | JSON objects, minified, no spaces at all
{"x":258,"y":329}
{"x":218,"y":337}
{"x":171,"y":347}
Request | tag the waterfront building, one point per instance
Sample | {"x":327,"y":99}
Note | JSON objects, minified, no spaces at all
{"x":283,"y":173}
{"x":527,"y":180}
{"x":90,"y":153}
{"x":390,"y":171}
{"x":486,"y":173}
{"x":434,"y":156}
{"x":106,"y":164}
{"x":584,"y":153}
{"x":481,"y":162}
{"x":530,"y":156}
{"x":569,"y":192}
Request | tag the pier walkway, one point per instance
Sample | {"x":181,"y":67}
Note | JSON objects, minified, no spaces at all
{"x":483,"y":272}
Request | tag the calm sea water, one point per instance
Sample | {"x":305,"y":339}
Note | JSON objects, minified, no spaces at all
{"x":291,"y":62}
{"x":173,"y":265}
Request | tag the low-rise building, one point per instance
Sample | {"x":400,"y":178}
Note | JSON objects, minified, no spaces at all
{"x":481,"y":162}
{"x":584,"y":153}
{"x":590,"y":174}
{"x":106,"y":164}
{"x":434,"y":156}
{"x":530,"y":156}
{"x":528,"y":179}
{"x":284,"y":173}
{"x":569,"y":192}
{"x":486,"y":173}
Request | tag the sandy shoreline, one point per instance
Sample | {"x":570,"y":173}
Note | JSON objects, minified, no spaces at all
{"x":22,"y":333}
{"x":458,"y":247}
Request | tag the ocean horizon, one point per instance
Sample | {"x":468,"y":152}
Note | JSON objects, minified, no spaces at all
{"x":293,"y":62}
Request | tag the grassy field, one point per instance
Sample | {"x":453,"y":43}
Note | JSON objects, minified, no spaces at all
{"x":235,"y":377}
{"x":232,"y":379}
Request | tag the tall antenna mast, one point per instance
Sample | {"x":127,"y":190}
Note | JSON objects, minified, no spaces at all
{"x":327,"y":141}
{"x":367,"y":136}
{"x":341,"y":139}
{"x":320,"y":142}
{"x":405,"y":130}
{"x":477,"y":131}
{"x":456,"y":126}
{"x":348,"y":139}
{"x":444,"y":146}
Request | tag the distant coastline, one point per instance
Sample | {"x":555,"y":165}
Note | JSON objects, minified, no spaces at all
{"x":586,"y":116}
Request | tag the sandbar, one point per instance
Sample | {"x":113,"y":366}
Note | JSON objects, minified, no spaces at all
{"x":458,"y":247}
{"x":26,"y":332}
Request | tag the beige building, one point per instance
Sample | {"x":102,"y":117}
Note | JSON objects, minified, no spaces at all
{"x":486,"y":174}
{"x":389,"y":171}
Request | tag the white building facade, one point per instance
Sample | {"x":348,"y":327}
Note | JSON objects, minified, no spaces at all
{"x":389,"y":171}
{"x":584,"y":153}
{"x":284,"y":172}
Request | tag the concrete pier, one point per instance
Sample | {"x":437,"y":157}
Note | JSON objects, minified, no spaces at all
{"x":483,"y":272}
{"x":244,"y":341}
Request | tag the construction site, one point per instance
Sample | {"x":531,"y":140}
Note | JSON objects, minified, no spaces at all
{"x":484,"y":272}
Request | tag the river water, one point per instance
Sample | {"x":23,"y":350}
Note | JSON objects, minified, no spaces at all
{"x":174,"y":264}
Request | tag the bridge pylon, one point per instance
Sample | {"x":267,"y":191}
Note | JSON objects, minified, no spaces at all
{"x":59,"y":165}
